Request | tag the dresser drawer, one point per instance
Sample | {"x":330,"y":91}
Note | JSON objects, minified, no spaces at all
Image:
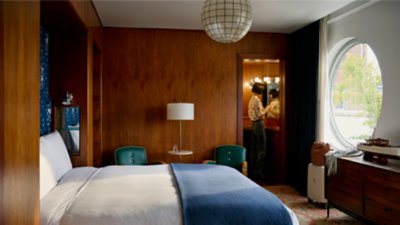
{"x":381,"y":213}
{"x":382,"y":193}
{"x":345,"y":187}
{"x":346,"y":198}
{"x":377,"y":176}
{"x":370,"y":191}
{"x":348,"y":176}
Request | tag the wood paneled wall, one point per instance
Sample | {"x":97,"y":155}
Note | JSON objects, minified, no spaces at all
{"x":19,"y":112}
{"x":88,"y":14}
{"x":144,"y":69}
{"x":93,"y":43}
{"x":68,"y":71}
{"x":19,"y":105}
{"x":74,"y":35}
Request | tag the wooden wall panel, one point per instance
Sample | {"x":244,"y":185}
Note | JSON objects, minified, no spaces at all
{"x":88,"y":14}
{"x":97,"y":107}
{"x":88,"y":122}
{"x":74,"y":33}
{"x":19,"y":112}
{"x":144,"y":69}
{"x":2,"y":115}
{"x":68,"y":71}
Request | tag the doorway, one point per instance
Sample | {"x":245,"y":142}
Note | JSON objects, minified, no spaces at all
{"x":270,"y":72}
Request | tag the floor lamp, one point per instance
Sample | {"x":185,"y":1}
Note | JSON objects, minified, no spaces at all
{"x":180,"y":111}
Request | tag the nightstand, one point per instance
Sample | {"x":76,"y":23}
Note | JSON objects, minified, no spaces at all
{"x":180,"y":153}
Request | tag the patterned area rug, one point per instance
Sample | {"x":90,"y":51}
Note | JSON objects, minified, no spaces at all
{"x":309,"y":214}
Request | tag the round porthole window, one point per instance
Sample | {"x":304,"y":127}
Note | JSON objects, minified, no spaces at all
{"x":355,"y":93}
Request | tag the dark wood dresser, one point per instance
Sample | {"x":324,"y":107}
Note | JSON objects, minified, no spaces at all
{"x":366,"y":190}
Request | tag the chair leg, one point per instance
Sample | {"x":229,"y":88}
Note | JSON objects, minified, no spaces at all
{"x":244,"y":168}
{"x":327,"y":209}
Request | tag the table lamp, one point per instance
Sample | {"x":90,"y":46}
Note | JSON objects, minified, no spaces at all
{"x":180,"y":111}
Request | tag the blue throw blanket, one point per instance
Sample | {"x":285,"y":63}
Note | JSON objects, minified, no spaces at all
{"x":220,"y":195}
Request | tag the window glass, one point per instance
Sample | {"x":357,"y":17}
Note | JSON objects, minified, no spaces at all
{"x":356,"y":93}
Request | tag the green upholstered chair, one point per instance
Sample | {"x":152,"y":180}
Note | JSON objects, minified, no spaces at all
{"x":131,"y":155}
{"x":230,"y":155}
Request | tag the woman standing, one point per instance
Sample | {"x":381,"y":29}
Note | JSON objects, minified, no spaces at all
{"x":257,"y":113}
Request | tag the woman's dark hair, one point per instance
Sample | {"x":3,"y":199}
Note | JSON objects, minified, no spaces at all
{"x":274,"y":93}
{"x":258,"y":88}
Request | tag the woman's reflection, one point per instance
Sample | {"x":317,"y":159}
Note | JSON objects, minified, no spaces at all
{"x":272,"y":109}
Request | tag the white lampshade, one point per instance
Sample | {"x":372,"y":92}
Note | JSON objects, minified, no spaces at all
{"x":226,"y":21}
{"x":180,"y":111}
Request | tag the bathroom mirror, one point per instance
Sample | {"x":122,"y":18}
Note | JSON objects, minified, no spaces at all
{"x":67,"y":124}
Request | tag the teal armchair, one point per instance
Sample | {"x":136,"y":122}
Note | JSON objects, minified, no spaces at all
{"x":230,"y":155}
{"x":130,"y":155}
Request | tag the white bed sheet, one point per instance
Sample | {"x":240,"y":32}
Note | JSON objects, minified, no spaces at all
{"x":55,"y":203}
{"x":144,"y":195}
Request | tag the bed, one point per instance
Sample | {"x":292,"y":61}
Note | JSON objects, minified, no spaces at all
{"x":175,"y":194}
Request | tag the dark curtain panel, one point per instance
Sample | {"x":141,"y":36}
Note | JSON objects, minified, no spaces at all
{"x":301,"y":83}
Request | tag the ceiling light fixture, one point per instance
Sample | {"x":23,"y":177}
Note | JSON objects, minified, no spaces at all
{"x":226,"y":21}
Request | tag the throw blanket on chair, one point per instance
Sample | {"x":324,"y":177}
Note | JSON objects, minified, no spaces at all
{"x":215,"y":194}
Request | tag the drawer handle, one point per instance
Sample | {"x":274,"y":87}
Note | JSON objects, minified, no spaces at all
{"x":387,"y":209}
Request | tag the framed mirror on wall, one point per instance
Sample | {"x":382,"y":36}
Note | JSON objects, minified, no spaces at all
{"x":266,"y":73}
{"x":67,"y":123}
{"x":269,"y":73}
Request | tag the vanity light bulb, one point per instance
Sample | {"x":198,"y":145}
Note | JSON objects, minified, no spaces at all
{"x":248,"y":85}
{"x":257,"y":80}
{"x":277,"y":79}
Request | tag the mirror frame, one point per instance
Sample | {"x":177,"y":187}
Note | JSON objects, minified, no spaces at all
{"x":282,"y":91}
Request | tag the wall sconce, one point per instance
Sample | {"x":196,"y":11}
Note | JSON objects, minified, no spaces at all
{"x":68,"y":97}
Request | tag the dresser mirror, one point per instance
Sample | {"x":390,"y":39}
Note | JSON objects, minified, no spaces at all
{"x":67,"y":124}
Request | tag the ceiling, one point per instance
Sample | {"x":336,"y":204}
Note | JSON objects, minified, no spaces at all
{"x":276,"y":16}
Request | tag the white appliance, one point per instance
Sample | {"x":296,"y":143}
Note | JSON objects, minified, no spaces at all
{"x":316,"y":184}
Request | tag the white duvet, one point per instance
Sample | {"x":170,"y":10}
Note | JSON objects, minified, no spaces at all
{"x":143,"y":195}
{"x":115,"y":195}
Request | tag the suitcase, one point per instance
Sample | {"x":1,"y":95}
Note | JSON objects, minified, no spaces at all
{"x":316,"y":184}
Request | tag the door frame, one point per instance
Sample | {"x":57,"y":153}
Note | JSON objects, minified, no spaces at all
{"x":282,"y":98}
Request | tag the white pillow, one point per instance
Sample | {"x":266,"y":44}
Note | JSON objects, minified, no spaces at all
{"x":57,"y":154}
{"x":47,"y":177}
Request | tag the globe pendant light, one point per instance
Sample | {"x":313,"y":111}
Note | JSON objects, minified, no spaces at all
{"x":226,"y":21}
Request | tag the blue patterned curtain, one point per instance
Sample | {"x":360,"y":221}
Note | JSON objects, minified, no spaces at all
{"x":45,"y":103}
{"x":71,"y":116}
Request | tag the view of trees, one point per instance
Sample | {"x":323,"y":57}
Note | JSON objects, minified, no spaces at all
{"x":357,"y":90}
